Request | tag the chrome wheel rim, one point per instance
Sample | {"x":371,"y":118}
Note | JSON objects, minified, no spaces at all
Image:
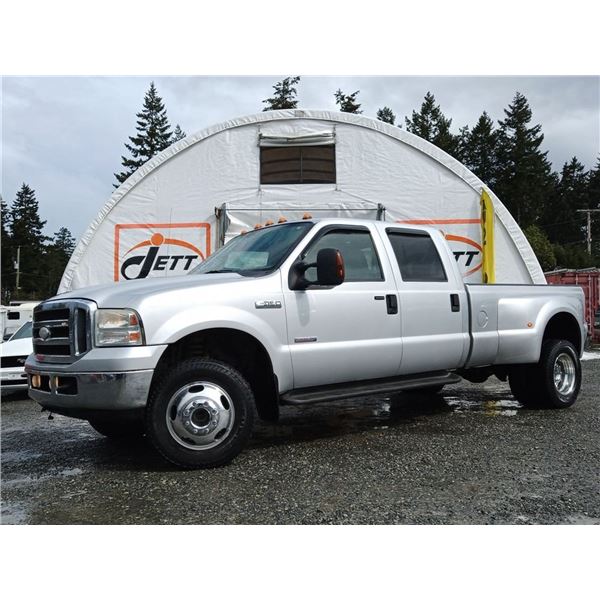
{"x":565,"y":374}
{"x":200,"y":415}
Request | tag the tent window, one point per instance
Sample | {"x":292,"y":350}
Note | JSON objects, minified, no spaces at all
{"x":297,"y":164}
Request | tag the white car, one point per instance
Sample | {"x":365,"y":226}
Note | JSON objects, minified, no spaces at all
{"x":13,"y":355}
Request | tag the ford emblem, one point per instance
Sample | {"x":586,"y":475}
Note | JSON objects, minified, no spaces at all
{"x":44,"y":333}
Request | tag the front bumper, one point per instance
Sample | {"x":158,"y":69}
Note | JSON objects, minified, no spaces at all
{"x":95,"y":384}
{"x":81,"y":394}
{"x":13,"y":377}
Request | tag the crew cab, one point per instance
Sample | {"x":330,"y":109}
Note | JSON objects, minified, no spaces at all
{"x":295,"y":313}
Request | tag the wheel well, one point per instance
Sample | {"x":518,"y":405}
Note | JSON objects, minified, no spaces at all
{"x":238,"y":349}
{"x":564,"y":326}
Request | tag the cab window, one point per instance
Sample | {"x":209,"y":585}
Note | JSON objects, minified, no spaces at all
{"x":417,"y":257}
{"x":360,"y":257}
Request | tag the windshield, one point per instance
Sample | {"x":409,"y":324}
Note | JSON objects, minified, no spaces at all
{"x":23,"y":332}
{"x":256,"y":252}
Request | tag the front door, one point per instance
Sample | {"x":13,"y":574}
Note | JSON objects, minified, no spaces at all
{"x":352,"y":331}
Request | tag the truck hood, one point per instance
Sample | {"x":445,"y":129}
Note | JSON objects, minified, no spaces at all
{"x":129,"y":294}
{"x":20,"y":347}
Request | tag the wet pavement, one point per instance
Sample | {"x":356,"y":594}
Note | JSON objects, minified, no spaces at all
{"x":471,"y":455}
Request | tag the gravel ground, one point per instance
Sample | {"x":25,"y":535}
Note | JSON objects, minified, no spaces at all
{"x":473,"y":455}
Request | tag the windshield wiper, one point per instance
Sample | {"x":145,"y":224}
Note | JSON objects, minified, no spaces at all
{"x":221,"y":271}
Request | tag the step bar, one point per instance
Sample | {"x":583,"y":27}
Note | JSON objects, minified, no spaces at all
{"x":372,"y":387}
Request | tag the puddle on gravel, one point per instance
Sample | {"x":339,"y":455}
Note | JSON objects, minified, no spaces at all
{"x":13,"y":514}
{"x":504,"y":407}
{"x":347,"y":416}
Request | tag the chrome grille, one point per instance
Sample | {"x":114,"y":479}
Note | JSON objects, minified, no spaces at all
{"x":62,"y":330}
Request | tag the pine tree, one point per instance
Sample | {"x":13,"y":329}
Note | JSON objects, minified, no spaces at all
{"x":571,"y":193}
{"x":431,"y":124}
{"x":478,"y":149}
{"x":154,"y":134}
{"x":26,"y":232}
{"x":55,"y":259}
{"x":285,"y":95}
{"x":594,"y":202}
{"x":347,"y":103}
{"x":386,"y":115}
{"x":178,"y":134}
{"x":64,"y":242}
{"x":524,"y":179}
{"x":7,"y":273}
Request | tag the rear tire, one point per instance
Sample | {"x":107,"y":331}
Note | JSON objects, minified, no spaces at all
{"x":554,"y":382}
{"x":200,"y":413}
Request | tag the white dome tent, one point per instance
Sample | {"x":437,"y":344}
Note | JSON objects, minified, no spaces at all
{"x":203,"y":190}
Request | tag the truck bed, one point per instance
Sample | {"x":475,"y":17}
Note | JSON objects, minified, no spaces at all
{"x":507,"y":321}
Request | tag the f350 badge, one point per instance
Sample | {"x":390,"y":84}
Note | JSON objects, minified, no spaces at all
{"x":267,"y":304}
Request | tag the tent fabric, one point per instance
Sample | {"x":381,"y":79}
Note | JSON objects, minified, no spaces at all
{"x":206,"y":188}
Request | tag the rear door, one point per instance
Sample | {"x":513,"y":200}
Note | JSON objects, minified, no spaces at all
{"x":432,"y":301}
{"x":352,"y":331}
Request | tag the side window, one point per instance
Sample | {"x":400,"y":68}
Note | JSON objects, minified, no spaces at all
{"x":417,"y":257}
{"x":360,"y":257}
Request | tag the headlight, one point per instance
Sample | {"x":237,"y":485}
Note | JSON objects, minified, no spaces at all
{"x":118,"y":327}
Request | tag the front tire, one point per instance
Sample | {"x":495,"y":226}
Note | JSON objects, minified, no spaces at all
{"x":200,"y":413}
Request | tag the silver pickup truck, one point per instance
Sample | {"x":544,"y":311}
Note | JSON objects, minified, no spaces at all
{"x":293,"y":314}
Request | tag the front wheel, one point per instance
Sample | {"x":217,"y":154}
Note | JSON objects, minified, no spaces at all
{"x":554,"y":381}
{"x":200,"y":413}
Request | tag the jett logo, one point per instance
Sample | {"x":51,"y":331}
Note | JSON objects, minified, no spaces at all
{"x":159,"y":249}
{"x":467,"y":252}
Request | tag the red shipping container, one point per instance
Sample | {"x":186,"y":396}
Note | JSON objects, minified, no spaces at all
{"x":589,"y":280}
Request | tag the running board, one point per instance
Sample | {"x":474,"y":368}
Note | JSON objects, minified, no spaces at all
{"x":372,"y":387}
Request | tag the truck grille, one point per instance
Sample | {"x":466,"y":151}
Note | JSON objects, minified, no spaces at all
{"x":62,"y":330}
{"x":12,"y":361}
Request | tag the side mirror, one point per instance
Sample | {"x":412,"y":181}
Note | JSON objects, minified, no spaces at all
{"x":330,"y":270}
{"x":330,"y":267}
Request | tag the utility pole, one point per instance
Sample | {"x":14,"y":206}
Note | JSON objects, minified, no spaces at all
{"x":18,"y":265}
{"x":589,"y":212}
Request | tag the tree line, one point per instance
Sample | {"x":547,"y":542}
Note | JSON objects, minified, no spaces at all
{"x":37,"y":260}
{"x":507,"y":156}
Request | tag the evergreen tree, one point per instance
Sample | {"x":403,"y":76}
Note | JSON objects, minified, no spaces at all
{"x":559,"y":216}
{"x":524,"y":179}
{"x":284,"y":96}
{"x":431,"y":124}
{"x":478,"y":149}
{"x":386,"y":115}
{"x":347,"y":103}
{"x":153,"y":134}
{"x":64,"y":242}
{"x":7,"y":273}
{"x":541,"y":246}
{"x":26,"y":232}
{"x":178,"y":134}
{"x":55,"y":259}
{"x":593,"y":201}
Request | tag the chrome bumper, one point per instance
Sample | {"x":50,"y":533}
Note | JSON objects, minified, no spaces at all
{"x":75,"y":393}
{"x":13,"y":377}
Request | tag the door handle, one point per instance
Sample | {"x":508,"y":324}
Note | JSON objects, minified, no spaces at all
{"x":391,"y":301}
{"x":455,"y":302}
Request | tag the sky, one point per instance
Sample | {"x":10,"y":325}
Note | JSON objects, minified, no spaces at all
{"x":64,"y":136}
